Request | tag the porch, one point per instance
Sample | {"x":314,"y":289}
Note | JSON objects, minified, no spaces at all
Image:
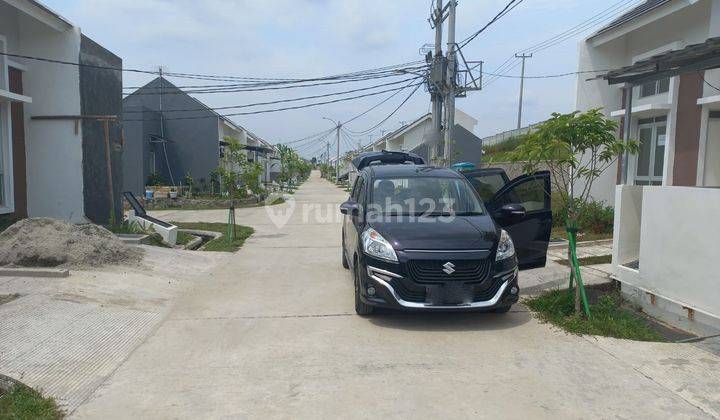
{"x":666,"y":206}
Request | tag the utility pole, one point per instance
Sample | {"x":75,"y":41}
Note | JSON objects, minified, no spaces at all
{"x":162,"y":128}
{"x":338,"y":125}
{"x":436,"y":76}
{"x":451,"y":85}
{"x":522,"y":85}
{"x":327,"y":153}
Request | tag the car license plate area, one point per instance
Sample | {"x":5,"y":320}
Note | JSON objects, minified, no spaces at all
{"x":449,"y":294}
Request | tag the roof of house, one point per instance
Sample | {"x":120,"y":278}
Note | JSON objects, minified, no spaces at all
{"x":402,"y":130}
{"x":49,"y":11}
{"x":693,"y":58}
{"x":631,"y":14}
{"x":232,"y":124}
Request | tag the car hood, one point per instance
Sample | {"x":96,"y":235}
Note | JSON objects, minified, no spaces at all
{"x":462,"y":233}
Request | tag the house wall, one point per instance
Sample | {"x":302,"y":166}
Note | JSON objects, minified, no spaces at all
{"x":100,"y":94}
{"x":53,"y":148}
{"x":137,"y":159}
{"x":193,"y":135}
{"x":691,"y":279}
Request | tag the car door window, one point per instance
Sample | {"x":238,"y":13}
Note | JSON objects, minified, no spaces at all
{"x":530,"y":193}
{"x":356,"y":189}
{"x":487,"y":185}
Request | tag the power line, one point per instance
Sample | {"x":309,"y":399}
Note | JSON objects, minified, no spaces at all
{"x":508,"y":7}
{"x":391,"y":114}
{"x":596,"y":19}
{"x":264,"y":87}
{"x":285,"y":100}
{"x":70,"y":63}
{"x":548,"y":76}
{"x":377,"y":105}
{"x":285,"y":108}
{"x":368,"y":72}
{"x":308,"y":137}
{"x":234,"y":78}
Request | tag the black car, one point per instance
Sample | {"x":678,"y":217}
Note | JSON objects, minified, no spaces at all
{"x":418,"y":237}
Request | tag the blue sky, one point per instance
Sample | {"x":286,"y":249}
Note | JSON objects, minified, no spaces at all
{"x":304,"y":38}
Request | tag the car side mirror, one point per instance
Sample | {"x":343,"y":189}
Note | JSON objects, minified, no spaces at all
{"x":351,"y":208}
{"x":512,"y":211}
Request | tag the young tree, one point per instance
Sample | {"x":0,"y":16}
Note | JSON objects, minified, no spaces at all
{"x":576,"y":148}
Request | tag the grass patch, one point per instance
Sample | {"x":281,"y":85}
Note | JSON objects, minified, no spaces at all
{"x":184,"y":238}
{"x":26,"y":403}
{"x":595,"y":259}
{"x":220,"y":206}
{"x":222,"y":243}
{"x":560,"y":233}
{"x":609,"y":317}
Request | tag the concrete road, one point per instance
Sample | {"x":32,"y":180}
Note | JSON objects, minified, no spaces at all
{"x":272,"y":334}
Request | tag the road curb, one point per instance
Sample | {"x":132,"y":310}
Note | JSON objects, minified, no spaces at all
{"x":34,"y":272}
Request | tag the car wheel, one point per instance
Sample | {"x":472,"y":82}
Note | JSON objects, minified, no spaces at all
{"x":502,"y":309}
{"x":344,"y":259}
{"x":361,"y":308}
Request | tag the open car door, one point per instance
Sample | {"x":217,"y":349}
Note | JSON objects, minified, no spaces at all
{"x":487,"y":182}
{"x":522,"y":207}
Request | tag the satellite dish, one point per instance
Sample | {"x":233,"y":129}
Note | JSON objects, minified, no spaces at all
{"x":428,"y":57}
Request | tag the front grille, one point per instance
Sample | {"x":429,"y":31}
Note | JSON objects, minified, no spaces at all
{"x":487,"y":290}
{"x":431,"y":271}
{"x":409,"y":293}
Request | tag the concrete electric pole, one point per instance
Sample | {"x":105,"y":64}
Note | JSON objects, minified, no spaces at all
{"x":522,"y":85}
{"x":338,"y":125}
{"x":451,"y":84}
{"x":436,"y":78}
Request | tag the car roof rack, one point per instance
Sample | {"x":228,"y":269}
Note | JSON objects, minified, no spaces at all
{"x":386,"y":157}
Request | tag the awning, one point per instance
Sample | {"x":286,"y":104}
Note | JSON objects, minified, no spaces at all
{"x":697,"y":57}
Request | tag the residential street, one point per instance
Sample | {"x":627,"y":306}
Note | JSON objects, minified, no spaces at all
{"x":272,"y":334}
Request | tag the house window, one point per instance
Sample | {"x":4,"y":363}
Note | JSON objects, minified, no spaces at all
{"x":652,"y":133}
{"x":654,"y":88}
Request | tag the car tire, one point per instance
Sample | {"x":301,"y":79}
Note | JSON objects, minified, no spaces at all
{"x":502,"y":309}
{"x":344,"y":259}
{"x":361,"y":308}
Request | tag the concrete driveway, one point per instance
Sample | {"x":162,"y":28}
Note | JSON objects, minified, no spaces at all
{"x":272,"y":334}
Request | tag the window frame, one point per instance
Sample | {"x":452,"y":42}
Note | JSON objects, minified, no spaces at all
{"x":656,"y":88}
{"x":653,"y":123}
{"x":7,"y":205}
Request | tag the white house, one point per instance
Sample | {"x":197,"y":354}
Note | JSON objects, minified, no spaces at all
{"x":663,"y":64}
{"x":410,"y":136}
{"x":53,"y":118}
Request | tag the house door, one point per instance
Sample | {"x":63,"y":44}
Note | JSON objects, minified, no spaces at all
{"x":651,"y":159}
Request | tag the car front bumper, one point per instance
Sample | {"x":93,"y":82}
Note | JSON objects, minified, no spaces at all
{"x":383,"y":283}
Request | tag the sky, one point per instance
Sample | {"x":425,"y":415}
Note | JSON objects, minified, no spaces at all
{"x":309,"y":38}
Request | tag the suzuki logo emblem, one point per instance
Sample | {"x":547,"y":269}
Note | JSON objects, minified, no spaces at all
{"x":449,"y":268}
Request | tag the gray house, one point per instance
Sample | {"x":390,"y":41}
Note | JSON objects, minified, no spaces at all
{"x":187,"y":142}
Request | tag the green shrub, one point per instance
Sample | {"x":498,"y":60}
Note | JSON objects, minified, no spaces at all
{"x":593,"y":216}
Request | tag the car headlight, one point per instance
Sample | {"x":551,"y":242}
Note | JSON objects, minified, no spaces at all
{"x":505,"y":249}
{"x":375,"y":245}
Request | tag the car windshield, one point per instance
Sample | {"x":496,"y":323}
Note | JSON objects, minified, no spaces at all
{"x":424,"y":196}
